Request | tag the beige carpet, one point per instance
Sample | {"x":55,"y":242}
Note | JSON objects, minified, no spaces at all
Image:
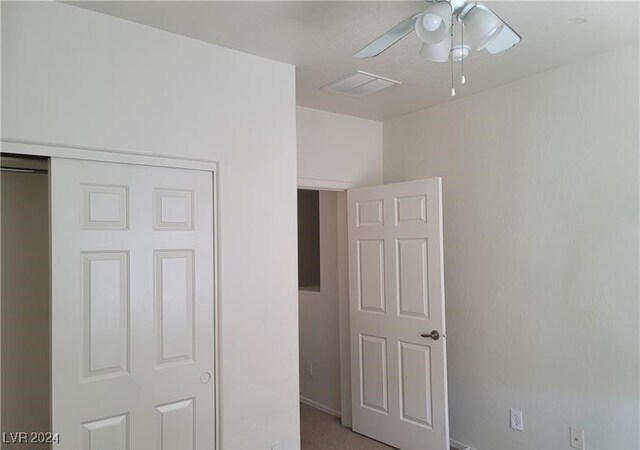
{"x":321,"y":431}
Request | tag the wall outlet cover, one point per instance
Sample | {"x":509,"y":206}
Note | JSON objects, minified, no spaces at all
{"x":577,"y":438}
{"x":517,"y":421}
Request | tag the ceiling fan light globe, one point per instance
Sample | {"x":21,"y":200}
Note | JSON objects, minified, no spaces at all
{"x":433,"y":25}
{"x":431,"y":22}
{"x":490,"y":36}
{"x":481,"y":27}
{"x":436,"y":52}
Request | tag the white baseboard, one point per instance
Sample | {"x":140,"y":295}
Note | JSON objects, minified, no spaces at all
{"x":320,"y":406}
{"x":459,"y":445}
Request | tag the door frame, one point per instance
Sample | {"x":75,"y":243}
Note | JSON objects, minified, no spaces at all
{"x":340,"y":187}
{"x":146,"y":159}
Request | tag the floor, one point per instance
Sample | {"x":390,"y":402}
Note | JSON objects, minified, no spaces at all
{"x":321,"y":431}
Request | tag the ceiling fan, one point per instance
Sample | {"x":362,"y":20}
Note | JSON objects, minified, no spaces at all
{"x":481,"y":29}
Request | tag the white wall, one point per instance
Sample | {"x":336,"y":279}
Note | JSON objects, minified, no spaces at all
{"x":337,"y":151}
{"x":319,"y":327}
{"x":75,"y":77}
{"x":540,"y":183}
{"x":338,"y":148}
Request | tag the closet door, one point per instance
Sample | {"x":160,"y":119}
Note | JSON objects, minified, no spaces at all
{"x":132,"y":306}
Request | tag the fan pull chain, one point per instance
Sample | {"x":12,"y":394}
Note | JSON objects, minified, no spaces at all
{"x":453,"y":89}
{"x":462,"y":79}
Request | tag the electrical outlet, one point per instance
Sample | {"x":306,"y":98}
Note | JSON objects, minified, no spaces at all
{"x":309,"y":368}
{"x":577,"y":438}
{"x":517,"y":421}
{"x":278,"y":447}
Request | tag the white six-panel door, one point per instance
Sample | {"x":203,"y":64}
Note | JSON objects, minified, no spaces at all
{"x":132,"y":307}
{"x":399,"y":384}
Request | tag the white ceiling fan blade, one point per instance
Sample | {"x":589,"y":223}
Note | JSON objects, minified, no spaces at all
{"x":504,"y":40}
{"x":388,"y":39}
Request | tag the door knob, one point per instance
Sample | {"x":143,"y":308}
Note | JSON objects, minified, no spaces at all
{"x":205,"y":377}
{"x":433,"y":335}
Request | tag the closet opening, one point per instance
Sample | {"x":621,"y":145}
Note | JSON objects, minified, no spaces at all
{"x":25,"y":332}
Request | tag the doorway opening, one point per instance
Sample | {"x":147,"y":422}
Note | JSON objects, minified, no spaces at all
{"x":325,"y":376}
{"x":25,"y":311}
{"x":385,"y":347}
{"x":319,"y":320}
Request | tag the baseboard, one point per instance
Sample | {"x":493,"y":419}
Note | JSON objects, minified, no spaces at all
{"x":458,"y":445}
{"x":320,"y":406}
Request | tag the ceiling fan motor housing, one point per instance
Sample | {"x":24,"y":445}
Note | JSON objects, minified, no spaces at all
{"x":457,"y":5}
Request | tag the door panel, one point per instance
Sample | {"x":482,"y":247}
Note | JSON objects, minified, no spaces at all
{"x":373,"y":361}
{"x":106,"y":434}
{"x":132,"y":306}
{"x":415,"y":384}
{"x":176,"y":425}
{"x":411,"y":209}
{"x":174,"y":305}
{"x":369,"y":213}
{"x":371,"y":275}
{"x":105,"y":305}
{"x":399,"y":386}
{"x":413,"y":289}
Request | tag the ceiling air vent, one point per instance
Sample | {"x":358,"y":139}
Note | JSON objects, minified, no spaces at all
{"x":359,"y":84}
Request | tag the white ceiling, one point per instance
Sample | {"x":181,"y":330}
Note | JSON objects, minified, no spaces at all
{"x":320,"y":37}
